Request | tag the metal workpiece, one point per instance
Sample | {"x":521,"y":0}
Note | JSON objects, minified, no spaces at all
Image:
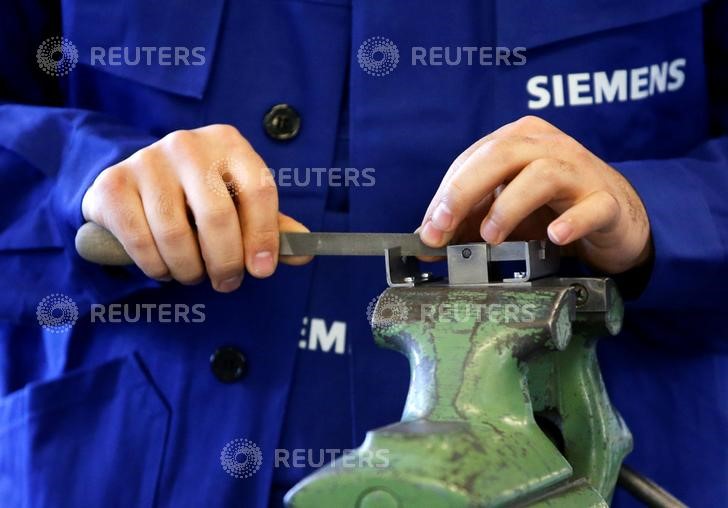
{"x":472,"y":264}
{"x":506,"y":405}
{"x":479,"y":264}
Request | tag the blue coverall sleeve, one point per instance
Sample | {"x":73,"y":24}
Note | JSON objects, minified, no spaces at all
{"x":66,"y":150}
{"x":48,"y":158}
{"x":686,"y":199}
{"x":688,"y":212}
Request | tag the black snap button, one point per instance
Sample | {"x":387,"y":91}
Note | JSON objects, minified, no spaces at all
{"x":228,"y":364}
{"x":282,"y":122}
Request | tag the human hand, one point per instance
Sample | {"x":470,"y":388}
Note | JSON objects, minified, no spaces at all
{"x":151,"y":200}
{"x":527,"y":180}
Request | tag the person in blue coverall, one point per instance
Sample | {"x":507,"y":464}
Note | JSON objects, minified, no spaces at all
{"x":608,"y":127}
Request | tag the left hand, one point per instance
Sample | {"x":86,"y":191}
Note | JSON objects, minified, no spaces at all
{"x":528,"y":179}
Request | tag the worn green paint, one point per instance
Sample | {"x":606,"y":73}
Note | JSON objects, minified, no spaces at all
{"x":468,"y":435}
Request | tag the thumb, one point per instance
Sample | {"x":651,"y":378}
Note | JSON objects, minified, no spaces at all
{"x":291,"y":225}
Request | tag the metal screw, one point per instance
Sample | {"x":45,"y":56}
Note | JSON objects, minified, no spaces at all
{"x":409,"y":280}
{"x":466,"y":253}
{"x":425,"y":275}
{"x":582,"y":294}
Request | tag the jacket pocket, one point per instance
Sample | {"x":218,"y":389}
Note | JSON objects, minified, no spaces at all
{"x":90,"y":438}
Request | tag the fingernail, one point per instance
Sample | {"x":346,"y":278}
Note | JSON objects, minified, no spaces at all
{"x":442,"y":217}
{"x":431,"y":235}
{"x":559,"y":232}
{"x":263,"y":264}
{"x":490,"y":232}
{"x":230,"y":284}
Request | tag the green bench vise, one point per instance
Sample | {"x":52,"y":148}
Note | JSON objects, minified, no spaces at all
{"x":506,"y":404}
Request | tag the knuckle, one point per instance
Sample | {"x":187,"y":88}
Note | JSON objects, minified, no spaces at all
{"x":584,"y":158}
{"x":216,"y":217}
{"x":130,"y":226}
{"x":551,"y":170}
{"x":559,"y":143}
{"x":494,"y":144}
{"x":547,"y":170}
{"x":173,"y":233}
{"x":499,"y":147}
{"x":261,"y":239}
{"x":265,"y":190}
{"x":610,"y":204}
{"x":526,"y":139}
{"x":267,"y":178}
{"x":229,"y":136}
{"x":453,"y":193}
{"x":189,"y":275}
{"x":137,"y":239}
{"x":564,"y":167}
{"x":224,"y":269}
{"x":224,"y":131}
{"x":143,"y":159}
{"x":165,"y":206}
{"x":453,"y":196}
{"x":178,"y":140}
{"x":155,"y":270}
{"x":111,"y":182}
{"x":530,"y":122}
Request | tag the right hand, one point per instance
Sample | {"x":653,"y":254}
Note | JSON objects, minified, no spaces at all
{"x":145,"y":201}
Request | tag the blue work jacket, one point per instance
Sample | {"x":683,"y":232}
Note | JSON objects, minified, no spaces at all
{"x":132,"y":414}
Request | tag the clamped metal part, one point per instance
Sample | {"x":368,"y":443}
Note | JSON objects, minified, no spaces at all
{"x":506,"y":405}
{"x":475,"y":264}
